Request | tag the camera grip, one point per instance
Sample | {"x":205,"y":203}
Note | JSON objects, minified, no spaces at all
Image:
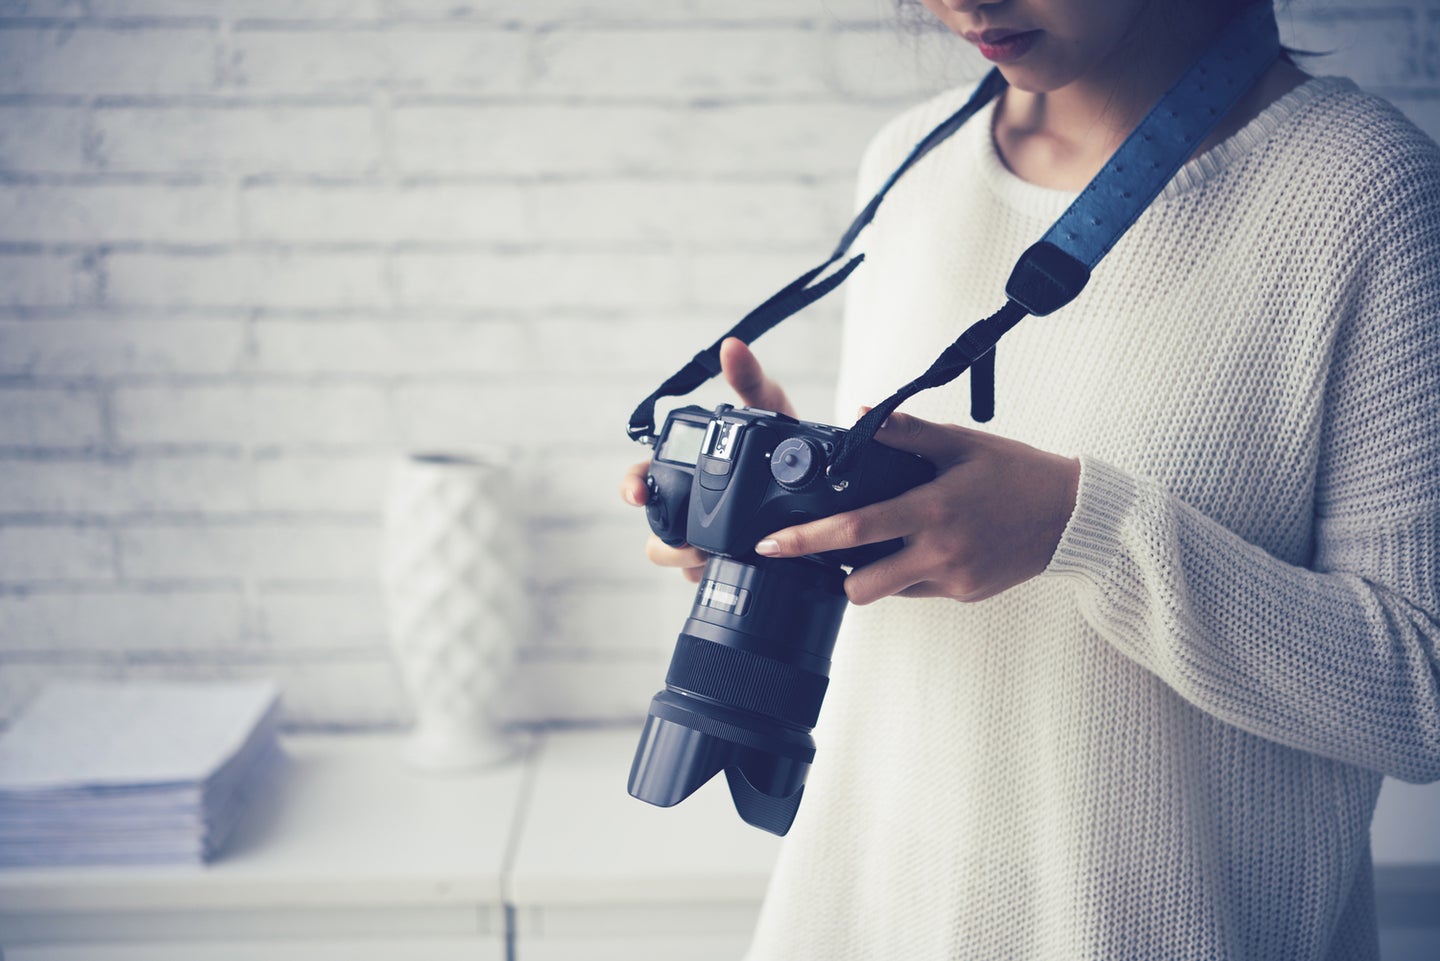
{"x":667,"y":502}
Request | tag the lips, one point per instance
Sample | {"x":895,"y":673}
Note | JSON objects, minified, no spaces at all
{"x":1002,"y":46}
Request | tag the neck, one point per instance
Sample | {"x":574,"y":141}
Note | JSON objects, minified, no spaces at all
{"x":1061,"y":138}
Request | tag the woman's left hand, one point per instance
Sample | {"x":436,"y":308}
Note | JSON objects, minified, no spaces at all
{"x":990,"y":519}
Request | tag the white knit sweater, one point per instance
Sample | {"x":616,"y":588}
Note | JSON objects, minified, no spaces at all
{"x":1169,"y":745}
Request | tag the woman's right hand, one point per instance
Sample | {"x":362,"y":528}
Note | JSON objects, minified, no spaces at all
{"x":746,"y":377}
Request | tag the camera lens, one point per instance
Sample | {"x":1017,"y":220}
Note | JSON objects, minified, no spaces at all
{"x":744,"y":690}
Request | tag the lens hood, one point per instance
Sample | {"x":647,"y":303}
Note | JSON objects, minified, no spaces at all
{"x":673,"y":760}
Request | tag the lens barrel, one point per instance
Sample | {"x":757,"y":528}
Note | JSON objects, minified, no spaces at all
{"x":744,"y":689}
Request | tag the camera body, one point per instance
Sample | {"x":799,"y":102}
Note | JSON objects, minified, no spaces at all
{"x":721,"y":481}
{"x":752,"y":662}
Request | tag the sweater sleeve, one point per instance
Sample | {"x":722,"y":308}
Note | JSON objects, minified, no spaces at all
{"x":1340,"y":657}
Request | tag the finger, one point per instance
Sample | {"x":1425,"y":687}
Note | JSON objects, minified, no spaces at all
{"x":664,"y":555}
{"x":868,"y":525}
{"x":747,"y":378}
{"x":914,"y":572}
{"x":899,"y":573}
{"x":632,"y":485}
{"x":938,"y":443}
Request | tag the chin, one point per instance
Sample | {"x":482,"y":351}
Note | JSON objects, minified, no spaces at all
{"x":1027,"y":81}
{"x":1032,"y":80}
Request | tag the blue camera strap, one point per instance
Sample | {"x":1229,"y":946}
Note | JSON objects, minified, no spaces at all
{"x":1053,"y":271}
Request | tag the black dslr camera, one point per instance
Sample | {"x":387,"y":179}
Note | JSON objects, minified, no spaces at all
{"x":752,"y":662}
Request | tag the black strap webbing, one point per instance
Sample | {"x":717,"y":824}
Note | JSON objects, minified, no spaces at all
{"x":799,"y":294}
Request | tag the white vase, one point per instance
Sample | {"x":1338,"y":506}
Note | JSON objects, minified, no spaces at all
{"x":454,"y":600}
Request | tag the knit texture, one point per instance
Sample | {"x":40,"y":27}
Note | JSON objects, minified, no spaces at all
{"x":1169,"y":745}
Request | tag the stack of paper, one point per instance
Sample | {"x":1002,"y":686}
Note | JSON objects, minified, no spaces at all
{"x":124,"y":773}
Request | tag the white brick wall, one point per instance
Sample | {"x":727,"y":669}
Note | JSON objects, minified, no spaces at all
{"x":251,"y":249}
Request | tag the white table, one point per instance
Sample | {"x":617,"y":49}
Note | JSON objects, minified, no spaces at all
{"x":355,"y":857}
{"x":350,"y":857}
{"x":600,"y":876}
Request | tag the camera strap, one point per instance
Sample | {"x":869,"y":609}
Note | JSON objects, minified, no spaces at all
{"x":1053,"y":271}
{"x":800,"y":293}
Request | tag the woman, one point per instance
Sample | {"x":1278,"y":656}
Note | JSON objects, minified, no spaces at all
{"x":1160,"y":629}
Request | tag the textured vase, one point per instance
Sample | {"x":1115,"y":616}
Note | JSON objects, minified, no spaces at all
{"x":455,"y":602}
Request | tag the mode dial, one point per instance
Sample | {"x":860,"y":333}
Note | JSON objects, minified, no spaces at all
{"x":795,"y":462}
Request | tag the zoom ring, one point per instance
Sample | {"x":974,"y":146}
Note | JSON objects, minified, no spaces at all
{"x":747,"y":681}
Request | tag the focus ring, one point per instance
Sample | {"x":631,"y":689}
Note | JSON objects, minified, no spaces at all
{"x":746,"y":681}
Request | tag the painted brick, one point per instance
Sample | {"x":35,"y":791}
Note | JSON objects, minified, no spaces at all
{"x":258,"y":414}
{"x":779,"y":139}
{"x":579,"y":500}
{"x":540,"y":279}
{"x":611,"y":552}
{"x":114,"y":61}
{"x":330,"y":691}
{"x":47,"y":280}
{"x":90,"y":344}
{"x":677,"y":211}
{"x":607,"y":622}
{"x":578,"y":485}
{"x":115,"y":620}
{"x":820,"y":13}
{"x":572,"y":688}
{"x":321,"y":414}
{"x":266,"y":9}
{"x":357,"y":692}
{"x":640,"y":346}
{"x":117,"y":213}
{"x":1423,"y":112}
{"x":43,"y":8}
{"x":182,"y":415}
{"x":385,"y":346}
{"x":299,"y":482}
{"x":39,"y":553}
{"x":732,"y":283}
{"x":279,"y":278}
{"x":538,"y":139}
{"x":137,"y":485}
{"x":50,"y":417}
{"x":572,"y":12}
{"x":575,"y":13}
{"x":884,"y":63}
{"x":679,"y":64}
{"x":300,"y":551}
{"x":661,"y":170}
{"x":440,"y":59}
{"x":1376,"y":47}
{"x":293,"y":621}
{"x":36,"y":138}
{"x":336,"y":139}
{"x":462,"y":415}
{"x":426,"y":213}
{"x":739,"y":280}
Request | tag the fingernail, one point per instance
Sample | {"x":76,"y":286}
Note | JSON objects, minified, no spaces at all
{"x":768,"y":546}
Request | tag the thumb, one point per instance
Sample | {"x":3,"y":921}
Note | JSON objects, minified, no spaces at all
{"x":747,"y":378}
